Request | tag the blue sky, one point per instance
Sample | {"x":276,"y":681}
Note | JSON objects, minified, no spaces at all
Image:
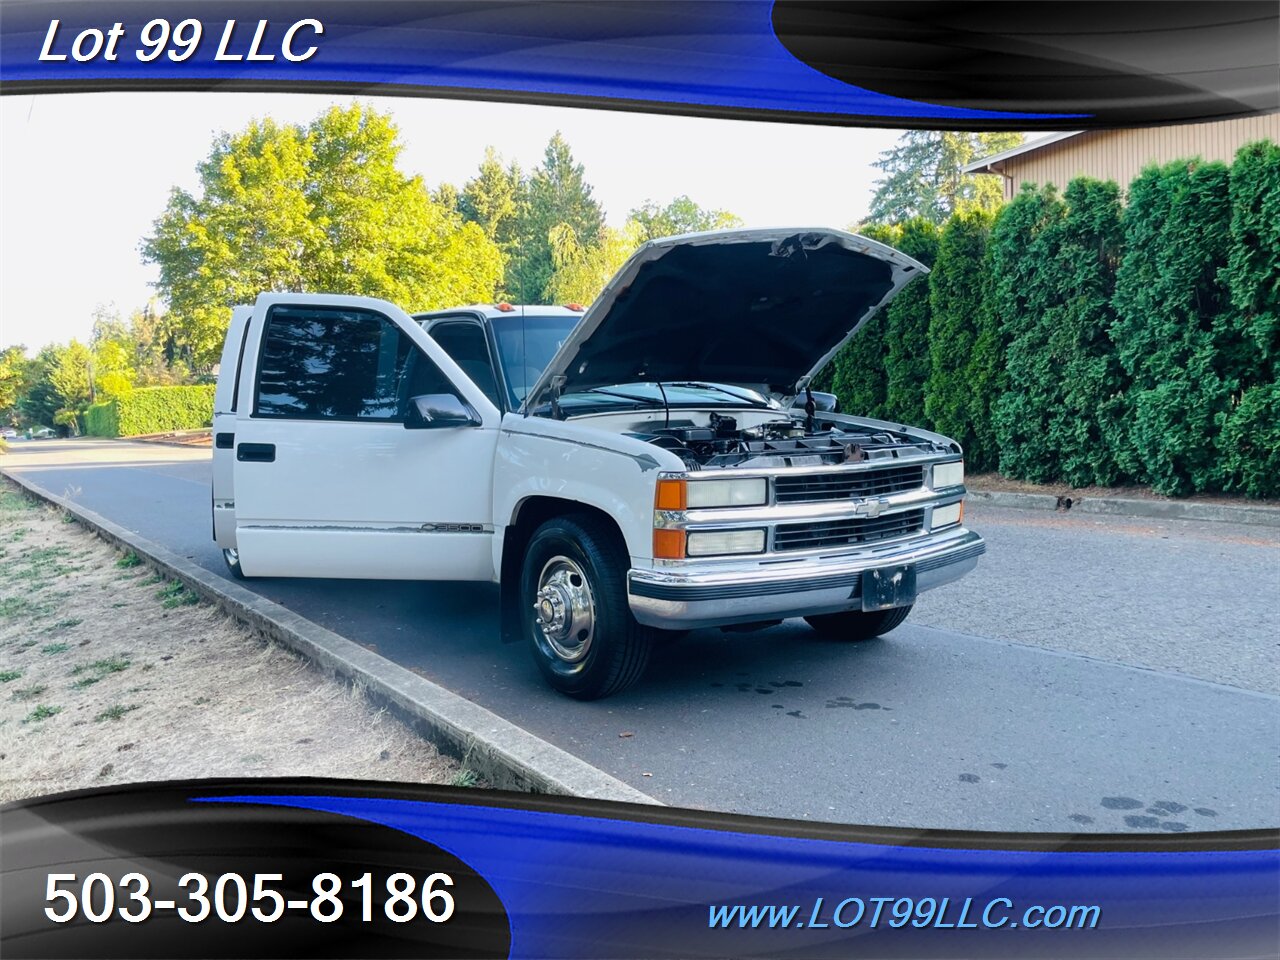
{"x":82,"y":176}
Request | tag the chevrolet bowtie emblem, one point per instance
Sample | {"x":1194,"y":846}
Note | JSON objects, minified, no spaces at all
{"x":869,"y":508}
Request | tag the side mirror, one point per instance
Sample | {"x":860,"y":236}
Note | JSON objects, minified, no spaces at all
{"x":433,"y":411}
{"x":825,"y":402}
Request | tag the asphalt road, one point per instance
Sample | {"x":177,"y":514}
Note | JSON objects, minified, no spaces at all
{"x":1094,"y":673}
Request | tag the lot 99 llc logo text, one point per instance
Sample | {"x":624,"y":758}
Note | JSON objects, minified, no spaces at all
{"x":181,"y":41}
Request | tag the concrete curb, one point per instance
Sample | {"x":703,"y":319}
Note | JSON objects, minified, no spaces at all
{"x":507,"y":756}
{"x":1125,"y":507}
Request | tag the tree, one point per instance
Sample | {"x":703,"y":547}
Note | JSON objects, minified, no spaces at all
{"x":1053,"y":262}
{"x":323,"y":208}
{"x":1249,"y":439}
{"x":492,"y":197}
{"x":15,"y":380}
{"x":557,"y":193}
{"x":495,"y":199}
{"x":965,"y":351}
{"x":113,"y":351}
{"x":1171,"y":324}
{"x":924,"y":178}
{"x":60,"y":386}
{"x":679,"y":216}
{"x":857,"y":372}
{"x":582,"y":271}
{"x":906,"y":328}
{"x":39,"y":404}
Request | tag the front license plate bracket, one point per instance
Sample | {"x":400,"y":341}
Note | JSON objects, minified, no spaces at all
{"x":886,"y":587}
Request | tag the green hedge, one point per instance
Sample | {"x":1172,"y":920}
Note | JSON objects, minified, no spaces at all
{"x":965,"y":353}
{"x":102,"y":420}
{"x":1058,"y":414}
{"x":1083,"y":340}
{"x":151,"y":410}
{"x":1170,"y":325}
{"x":906,"y":334}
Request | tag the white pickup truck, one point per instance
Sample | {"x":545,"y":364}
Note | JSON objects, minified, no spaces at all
{"x":654,"y":464}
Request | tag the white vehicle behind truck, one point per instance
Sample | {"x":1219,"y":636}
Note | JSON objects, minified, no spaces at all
{"x":654,"y":463}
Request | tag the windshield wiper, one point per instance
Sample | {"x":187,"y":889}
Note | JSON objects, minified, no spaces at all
{"x":702,"y":385}
{"x":652,"y":401}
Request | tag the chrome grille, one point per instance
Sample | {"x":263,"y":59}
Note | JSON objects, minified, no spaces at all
{"x":839,"y":533}
{"x":841,"y":486}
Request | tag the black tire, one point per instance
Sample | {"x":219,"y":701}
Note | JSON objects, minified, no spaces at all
{"x":615,"y":649}
{"x":854,"y":626}
{"x":232,"y":559}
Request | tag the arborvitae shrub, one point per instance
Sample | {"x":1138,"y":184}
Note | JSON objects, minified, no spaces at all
{"x":965,"y":355}
{"x":1249,"y":440}
{"x":857,"y":373}
{"x":906,"y":333}
{"x":1022,"y":267}
{"x":1060,"y":412}
{"x":1170,"y":329}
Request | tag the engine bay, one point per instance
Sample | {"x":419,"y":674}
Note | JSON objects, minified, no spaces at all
{"x":785,"y":442}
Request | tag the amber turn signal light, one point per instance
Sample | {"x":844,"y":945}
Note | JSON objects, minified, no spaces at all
{"x":668,"y":544}
{"x":671,"y":495}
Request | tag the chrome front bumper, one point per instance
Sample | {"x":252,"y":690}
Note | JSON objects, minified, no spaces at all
{"x":709,"y":595}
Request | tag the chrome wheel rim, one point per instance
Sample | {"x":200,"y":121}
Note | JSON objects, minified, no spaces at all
{"x":232,"y":554}
{"x":564,"y":609}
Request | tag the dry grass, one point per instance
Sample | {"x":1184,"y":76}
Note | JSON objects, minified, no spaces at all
{"x":110,"y":675}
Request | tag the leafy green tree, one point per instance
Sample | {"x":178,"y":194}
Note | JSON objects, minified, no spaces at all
{"x":1171,"y":322}
{"x":60,"y":386}
{"x":582,"y":271}
{"x":681,"y":215}
{"x":1061,"y":408}
{"x":156,"y":361}
{"x":113,"y":351}
{"x":923,"y":175}
{"x":245,"y":231}
{"x":492,"y":197}
{"x":557,"y":193}
{"x":496,"y":199}
{"x":16,"y":373}
{"x":965,"y":355}
{"x":323,"y":208}
{"x":39,"y":404}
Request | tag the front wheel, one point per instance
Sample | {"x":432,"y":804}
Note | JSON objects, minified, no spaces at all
{"x":855,"y":626}
{"x":573,"y":599}
{"x":231,"y":556}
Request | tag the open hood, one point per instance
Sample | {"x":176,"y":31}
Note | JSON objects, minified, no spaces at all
{"x":760,"y":308}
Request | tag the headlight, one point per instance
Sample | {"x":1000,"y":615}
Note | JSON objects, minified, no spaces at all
{"x":728,"y":493}
{"x":948,"y":474}
{"x":948,"y":516}
{"x":715,"y":542}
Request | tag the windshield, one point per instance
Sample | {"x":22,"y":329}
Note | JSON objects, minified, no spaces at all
{"x":525,"y":347}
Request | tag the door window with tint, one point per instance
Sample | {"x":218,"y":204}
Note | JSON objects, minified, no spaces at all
{"x":465,"y":344}
{"x":329,"y":363}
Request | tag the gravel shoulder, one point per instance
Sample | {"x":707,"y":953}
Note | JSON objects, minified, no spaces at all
{"x":109,"y":674}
